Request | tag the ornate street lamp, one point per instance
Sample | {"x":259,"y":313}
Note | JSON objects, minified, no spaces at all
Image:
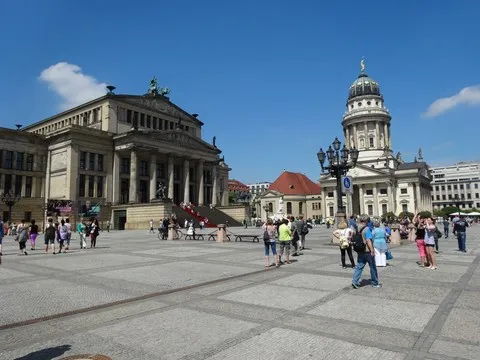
{"x":10,"y":199}
{"x":338,"y":166}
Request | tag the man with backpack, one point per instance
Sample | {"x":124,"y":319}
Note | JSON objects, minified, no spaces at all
{"x":49,"y":235}
{"x":363,"y":245}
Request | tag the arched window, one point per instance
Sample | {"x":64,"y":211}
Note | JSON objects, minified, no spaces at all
{"x":300,"y":208}
{"x":372,"y":144}
{"x":270,"y":207}
{"x":289,"y":207}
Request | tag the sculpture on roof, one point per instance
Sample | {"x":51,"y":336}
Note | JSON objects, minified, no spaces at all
{"x":214,"y":140}
{"x":153,"y":88}
{"x":362,"y":64}
{"x":420,"y":157}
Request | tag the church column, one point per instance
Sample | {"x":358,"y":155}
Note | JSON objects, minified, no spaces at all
{"x":153,"y":176}
{"x":361,"y":200}
{"x":377,"y":135}
{"x":116,"y":178}
{"x":391,"y":202}
{"x":347,"y":137}
{"x":375,"y":200}
{"x":365,"y":129}
{"x":324,"y":204}
{"x":24,"y":187}
{"x":355,"y":138}
{"x":201,"y":183}
{"x":186,"y":179}
{"x":133,"y":176}
{"x":385,"y":135}
{"x":417,"y":200}
{"x":214,"y":185}
{"x":170,"y":177}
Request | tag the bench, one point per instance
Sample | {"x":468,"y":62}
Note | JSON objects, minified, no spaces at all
{"x":241,"y":237}
{"x":213,"y":237}
{"x":194,"y":237}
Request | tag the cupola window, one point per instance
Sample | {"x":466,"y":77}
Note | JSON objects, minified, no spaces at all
{"x":371,"y":142}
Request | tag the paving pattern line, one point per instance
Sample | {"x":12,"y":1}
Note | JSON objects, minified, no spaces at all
{"x":126,"y":301}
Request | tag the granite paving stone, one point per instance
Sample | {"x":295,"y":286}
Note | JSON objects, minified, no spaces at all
{"x":456,"y":350}
{"x":389,"y":313}
{"x":317,"y":282}
{"x":281,"y":297}
{"x":463,"y":324}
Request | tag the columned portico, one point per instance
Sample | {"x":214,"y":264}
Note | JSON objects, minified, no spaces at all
{"x":153,"y":176}
{"x":214,"y":185}
{"x":170,"y":177}
{"x":201,"y":183}
{"x":133,"y":176}
{"x":186,"y":183}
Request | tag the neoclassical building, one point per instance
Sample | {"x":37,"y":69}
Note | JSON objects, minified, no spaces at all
{"x":382,"y":182}
{"x":110,"y":156}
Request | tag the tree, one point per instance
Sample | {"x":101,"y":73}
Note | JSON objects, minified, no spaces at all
{"x":425,"y":214}
{"x":439,"y":213}
{"x":389,"y":216}
{"x":405,"y":214}
{"x":449,"y":210}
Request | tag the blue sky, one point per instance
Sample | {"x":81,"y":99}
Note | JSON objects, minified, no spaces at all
{"x":268,"y":78}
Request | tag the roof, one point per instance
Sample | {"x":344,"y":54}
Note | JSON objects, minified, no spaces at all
{"x":412,"y":165}
{"x":291,"y":183}
{"x":363,"y":85}
{"x":235,"y":185}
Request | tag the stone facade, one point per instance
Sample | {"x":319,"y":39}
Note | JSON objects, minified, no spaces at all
{"x":116,"y":151}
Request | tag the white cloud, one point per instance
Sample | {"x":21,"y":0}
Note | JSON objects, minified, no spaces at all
{"x":73,"y":86}
{"x":467,"y":96}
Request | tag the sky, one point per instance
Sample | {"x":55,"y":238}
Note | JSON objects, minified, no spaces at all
{"x":268,"y":78}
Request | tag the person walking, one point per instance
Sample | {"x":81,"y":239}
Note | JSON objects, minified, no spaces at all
{"x":69,"y":233}
{"x":63,"y":235}
{"x":460,"y":230}
{"x":108,"y":225}
{"x":151,"y":231}
{"x":379,"y":236}
{"x":292,"y":225}
{"x":33,"y":233}
{"x":94,"y":231}
{"x":302,"y":230}
{"x":345,"y":234}
{"x":81,"y":233}
{"x":284,"y":238}
{"x":420,"y":239}
{"x":22,"y":236}
{"x":362,"y":244}
{"x":446,"y":225}
{"x":49,"y":235}
{"x":2,"y":232}
{"x":269,"y":239}
{"x":430,"y":233}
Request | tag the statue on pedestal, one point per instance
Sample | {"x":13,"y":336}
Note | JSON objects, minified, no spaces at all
{"x":214,"y":141}
{"x":161,"y":191}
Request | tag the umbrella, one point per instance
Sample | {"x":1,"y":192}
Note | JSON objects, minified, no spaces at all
{"x":474,"y":213}
{"x":457,"y":213}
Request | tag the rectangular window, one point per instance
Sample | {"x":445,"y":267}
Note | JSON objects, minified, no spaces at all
{"x":437,"y":188}
{"x":129,"y":116}
{"x":83,"y":160}
{"x":8,"y":161}
{"x":124,"y":191}
{"x":454,"y":187}
{"x":371,"y":142}
{"x":165,"y":124}
{"x":477,"y":195}
{"x":469,"y":196}
{"x":125,"y":166}
{"x":330,"y":210}
{"x":462,"y":196}
{"x":330,"y":194}
{"x":154,"y":123}
{"x":29,"y":162}
{"x":18,"y":184}
{"x":143,"y":168}
{"x":384,"y":209}
{"x":81,"y":185}
{"x":91,"y":161}
{"x":403,"y":191}
{"x":142,"y":120}
{"x":476,"y":186}
{"x":449,"y":187}
{"x":7,"y":185}
{"x":467,"y":186}
{"x":438,"y":197}
{"x":91,"y":185}
{"x":143,"y":189}
{"x":171,"y":125}
{"x":461,"y":186}
{"x":404,"y":207}
{"x":99,"y":186}
{"x":27,"y":216}
{"x":160,"y":171}
{"x":370,"y":210}
{"x":450,"y":197}
{"x":443,"y":187}
{"x":369,"y":192}
{"x":28,"y":186}
{"x":444,"y":197}
{"x":383,"y":192}
{"x":176,"y":172}
{"x":99,"y":162}
{"x":149,"y":121}
{"x":20,"y":157}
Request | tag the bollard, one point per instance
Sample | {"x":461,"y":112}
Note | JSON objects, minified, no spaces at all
{"x":221,"y":233}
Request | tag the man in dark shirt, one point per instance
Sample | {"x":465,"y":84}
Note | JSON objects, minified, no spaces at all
{"x":460,"y":229}
{"x":446,"y":225}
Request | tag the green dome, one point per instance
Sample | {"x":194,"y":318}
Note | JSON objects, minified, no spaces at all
{"x":364,"y":85}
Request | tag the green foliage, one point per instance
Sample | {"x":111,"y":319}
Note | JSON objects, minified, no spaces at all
{"x":405,"y":214}
{"x":231,"y":197}
{"x":425,"y":214}
{"x":450,"y":209}
{"x":439,"y":213}
{"x":389,"y":216}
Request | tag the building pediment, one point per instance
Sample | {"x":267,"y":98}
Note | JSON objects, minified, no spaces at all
{"x":358,"y":172}
{"x":159,"y":104}
{"x":270,"y":194}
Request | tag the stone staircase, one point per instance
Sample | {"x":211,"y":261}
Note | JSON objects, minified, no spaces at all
{"x":216,"y":217}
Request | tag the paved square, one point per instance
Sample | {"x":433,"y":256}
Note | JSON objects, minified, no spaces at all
{"x":463,"y":324}
{"x":389,"y":313}
{"x":181,"y":331}
{"x":316,"y":282}
{"x":289,"y":344}
{"x":281,"y":297}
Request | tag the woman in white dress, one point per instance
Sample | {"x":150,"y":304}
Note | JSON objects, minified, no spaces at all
{"x":379,"y":244}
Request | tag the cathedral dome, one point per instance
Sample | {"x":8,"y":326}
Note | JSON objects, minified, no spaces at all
{"x":362,"y":86}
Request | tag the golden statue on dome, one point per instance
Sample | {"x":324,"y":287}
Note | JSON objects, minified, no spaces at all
{"x":362,"y":64}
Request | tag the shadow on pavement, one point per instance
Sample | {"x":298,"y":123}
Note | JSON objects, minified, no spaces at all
{"x":46,"y":354}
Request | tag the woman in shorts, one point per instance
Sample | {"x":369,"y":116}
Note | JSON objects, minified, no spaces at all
{"x":420,"y":238}
{"x":430,"y":232}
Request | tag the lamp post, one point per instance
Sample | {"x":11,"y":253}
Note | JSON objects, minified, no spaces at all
{"x":458,"y":202}
{"x":266,"y":208}
{"x":10,"y":199}
{"x":338,"y":166}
